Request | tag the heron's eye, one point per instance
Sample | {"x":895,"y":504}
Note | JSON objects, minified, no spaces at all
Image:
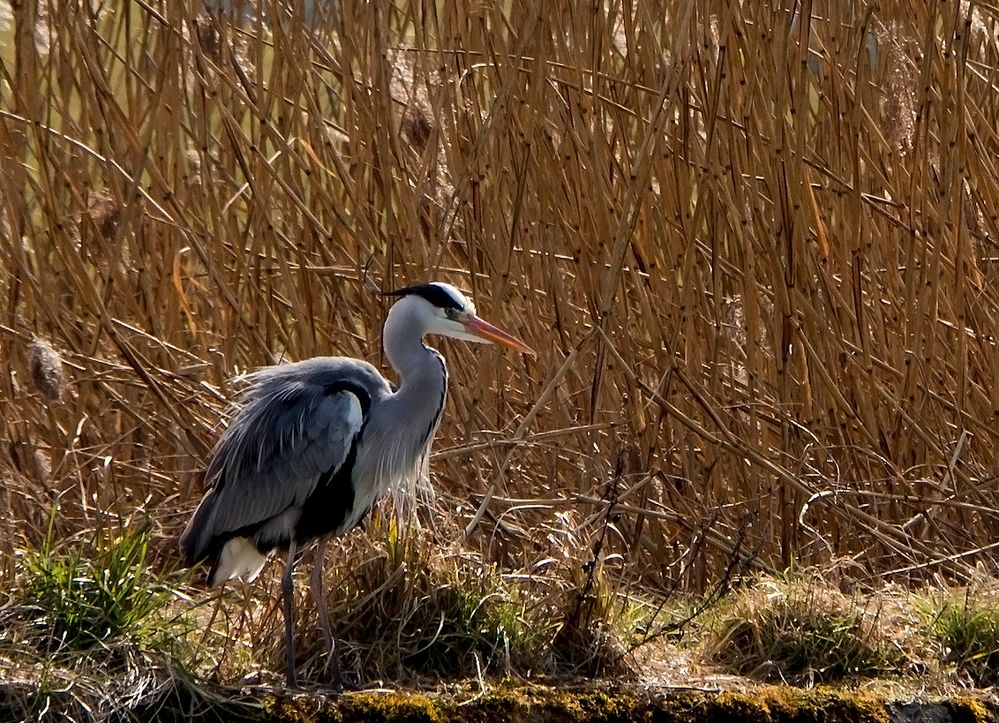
{"x":451,"y":314}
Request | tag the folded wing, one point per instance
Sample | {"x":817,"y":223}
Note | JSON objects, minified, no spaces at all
{"x":295,"y":431}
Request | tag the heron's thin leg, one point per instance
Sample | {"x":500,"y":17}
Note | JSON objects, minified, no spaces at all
{"x":289,"y":626}
{"x":319,"y":596}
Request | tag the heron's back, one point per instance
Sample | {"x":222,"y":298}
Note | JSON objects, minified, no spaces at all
{"x":295,"y":432}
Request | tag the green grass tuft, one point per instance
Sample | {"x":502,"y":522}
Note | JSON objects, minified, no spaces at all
{"x":93,"y":593}
{"x":969,"y":632}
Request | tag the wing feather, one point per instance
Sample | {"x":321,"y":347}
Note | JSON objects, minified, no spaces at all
{"x":297,"y":423}
{"x":287,"y":468}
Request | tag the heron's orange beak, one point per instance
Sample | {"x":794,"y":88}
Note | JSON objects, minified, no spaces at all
{"x":484,"y":330}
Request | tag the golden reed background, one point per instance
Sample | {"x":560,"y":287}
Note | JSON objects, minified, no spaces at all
{"x":757,"y":257}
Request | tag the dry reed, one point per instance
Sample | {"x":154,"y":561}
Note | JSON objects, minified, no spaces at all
{"x":757,"y":256}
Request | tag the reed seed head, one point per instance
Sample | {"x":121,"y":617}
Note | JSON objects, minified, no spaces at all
{"x":46,"y":372}
{"x":105,"y":212}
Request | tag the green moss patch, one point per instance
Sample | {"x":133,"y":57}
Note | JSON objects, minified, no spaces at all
{"x":541,"y":704}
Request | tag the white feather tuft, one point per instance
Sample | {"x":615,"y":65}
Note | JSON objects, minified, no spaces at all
{"x":239,"y":558}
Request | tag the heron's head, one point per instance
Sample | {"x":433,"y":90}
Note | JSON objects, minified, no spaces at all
{"x":444,"y":310}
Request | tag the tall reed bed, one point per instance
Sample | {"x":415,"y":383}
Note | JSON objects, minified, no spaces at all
{"x":753,"y":243}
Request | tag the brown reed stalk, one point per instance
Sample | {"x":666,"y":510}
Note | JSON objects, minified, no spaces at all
{"x":754,"y":250}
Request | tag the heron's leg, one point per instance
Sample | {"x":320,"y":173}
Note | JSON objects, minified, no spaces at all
{"x":319,"y":596}
{"x":287,"y":589}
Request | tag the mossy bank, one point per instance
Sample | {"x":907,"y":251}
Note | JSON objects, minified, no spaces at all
{"x":544,"y":704}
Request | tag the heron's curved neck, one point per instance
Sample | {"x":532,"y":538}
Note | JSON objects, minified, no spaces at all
{"x":415,"y":363}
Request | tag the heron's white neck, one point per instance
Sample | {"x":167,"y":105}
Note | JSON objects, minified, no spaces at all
{"x":417,"y":365}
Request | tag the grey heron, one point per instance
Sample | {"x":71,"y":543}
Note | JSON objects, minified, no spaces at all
{"x":314,"y":444}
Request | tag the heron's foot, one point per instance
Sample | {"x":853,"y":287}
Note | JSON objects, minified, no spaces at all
{"x":291,"y":679}
{"x":337,"y":678}
{"x":343,"y":686}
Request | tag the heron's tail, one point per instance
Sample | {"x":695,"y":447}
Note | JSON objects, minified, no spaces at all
{"x":238,"y":557}
{"x":196,"y":539}
{"x":230,"y":555}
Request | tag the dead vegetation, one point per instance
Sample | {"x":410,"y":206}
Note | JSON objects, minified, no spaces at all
{"x":756,"y":253}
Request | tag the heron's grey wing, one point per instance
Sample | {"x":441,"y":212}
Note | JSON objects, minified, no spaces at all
{"x":289,"y":433}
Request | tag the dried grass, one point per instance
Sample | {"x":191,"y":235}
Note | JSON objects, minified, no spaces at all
{"x":804,"y":632}
{"x":757,"y":257}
